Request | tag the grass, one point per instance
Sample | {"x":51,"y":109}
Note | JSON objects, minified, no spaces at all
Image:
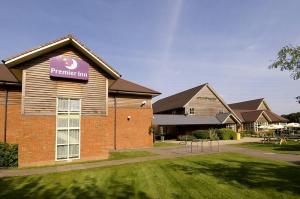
{"x":112,"y":156}
{"x":164,"y":144}
{"x":290,"y":148}
{"x":223,"y":175}
{"x":129,"y":154}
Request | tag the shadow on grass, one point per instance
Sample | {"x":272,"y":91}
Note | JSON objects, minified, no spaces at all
{"x":88,"y":188}
{"x":291,"y":146}
{"x":252,"y":174}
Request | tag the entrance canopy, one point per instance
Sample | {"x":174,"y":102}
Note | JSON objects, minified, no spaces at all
{"x":162,"y":119}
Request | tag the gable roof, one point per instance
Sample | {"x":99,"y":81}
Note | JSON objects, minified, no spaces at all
{"x":58,"y":43}
{"x":223,"y":117}
{"x":124,"y":86}
{"x":247,"y":105}
{"x":275,"y":118}
{"x":6,"y":75}
{"x":177,"y":100}
{"x":253,"y":115}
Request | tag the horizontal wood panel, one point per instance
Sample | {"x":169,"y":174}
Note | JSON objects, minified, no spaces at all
{"x":41,"y":91}
{"x":129,"y":102}
{"x":206,"y":103}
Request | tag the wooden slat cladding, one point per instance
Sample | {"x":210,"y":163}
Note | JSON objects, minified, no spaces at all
{"x":129,"y":101}
{"x":14,"y":97}
{"x":41,"y":91}
{"x":262,"y":107}
{"x":206,"y":103}
{"x":261,"y":119}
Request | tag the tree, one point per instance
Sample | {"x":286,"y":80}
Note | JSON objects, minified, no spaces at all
{"x":292,"y":117}
{"x":288,"y":58}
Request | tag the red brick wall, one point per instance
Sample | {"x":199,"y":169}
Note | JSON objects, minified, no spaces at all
{"x":35,"y":135}
{"x":134,"y":133}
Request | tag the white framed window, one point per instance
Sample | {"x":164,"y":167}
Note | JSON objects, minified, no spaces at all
{"x":68,"y":112}
{"x":231,"y":126}
{"x":192,"y":111}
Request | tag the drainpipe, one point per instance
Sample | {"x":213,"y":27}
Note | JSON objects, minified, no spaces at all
{"x":5,"y":114}
{"x":115,"y":123}
{"x":5,"y":85}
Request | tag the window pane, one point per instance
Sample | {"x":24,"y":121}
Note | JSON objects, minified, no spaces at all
{"x":62,"y":137}
{"x":74,"y":105}
{"x":62,"y":105}
{"x":62,"y":121}
{"x":74,"y":151}
{"x":74,"y":136}
{"x":74,"y":120}
{"x":62,"y":152}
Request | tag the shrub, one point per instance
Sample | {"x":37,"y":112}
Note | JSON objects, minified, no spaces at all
{"x":8,"y":155}
{"x":185,"y":137}
{"x":201,"y":134}
{"x":248,"y":133}
{"x":205,"y":134}
{"x":226,"y":134}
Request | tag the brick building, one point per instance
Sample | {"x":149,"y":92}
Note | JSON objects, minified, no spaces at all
{"x":61,"y":102}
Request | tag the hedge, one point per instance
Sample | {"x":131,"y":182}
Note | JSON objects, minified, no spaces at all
{"x":248,"y":133}
{"x":8,"y":155}
{"x":201,"y":134}
{"x":205,"y":134}
{"x":185,"y":138}
{"x":226,"y":134}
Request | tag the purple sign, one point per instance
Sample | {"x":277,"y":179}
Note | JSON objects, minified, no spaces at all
{"x":68,"y":67}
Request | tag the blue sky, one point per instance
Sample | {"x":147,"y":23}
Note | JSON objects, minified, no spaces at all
{"x":172,"y":45}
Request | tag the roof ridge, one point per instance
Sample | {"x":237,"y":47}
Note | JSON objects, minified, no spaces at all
{"x":168,"y":97}
{"x":39,"y":46}
{"x":69,"y":39}
{"x":247,"y":101}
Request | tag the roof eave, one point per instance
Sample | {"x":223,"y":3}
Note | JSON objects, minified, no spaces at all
{"x":133,"y":93}
{"x":53,"y":46}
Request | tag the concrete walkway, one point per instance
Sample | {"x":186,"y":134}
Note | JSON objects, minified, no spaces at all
{"x":162,"y":153}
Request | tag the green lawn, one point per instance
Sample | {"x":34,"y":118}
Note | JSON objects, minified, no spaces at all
{"x":223,"y":175}
{"x":129,"y":154}
{"x":164,"y":144}
{"x":290,"y":148}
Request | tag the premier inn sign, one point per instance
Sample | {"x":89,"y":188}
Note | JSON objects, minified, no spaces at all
{"x":68,"y":67}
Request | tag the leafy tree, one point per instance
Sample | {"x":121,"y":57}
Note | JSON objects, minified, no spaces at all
{"x":288,"y":58}
{"x":293,"y":117}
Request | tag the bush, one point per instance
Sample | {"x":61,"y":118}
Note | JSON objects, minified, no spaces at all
{"x":185,"y":138}
{"x":205,"y":134}
{"x":8,"y":155}
{"x":226,"y":134}
{"x":248,"y":133}
{"x":201,"y":134}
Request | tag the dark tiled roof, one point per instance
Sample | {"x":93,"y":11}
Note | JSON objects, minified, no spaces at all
{"x":238,"y":114}
{"x":275,"y":118}
{"x":177,"y":100}
{"x":222,"y":116}
{"x":6,"y":75}
{"x":122,"y":85}
{"x":251,"y":116}
{"x":247,"y":105}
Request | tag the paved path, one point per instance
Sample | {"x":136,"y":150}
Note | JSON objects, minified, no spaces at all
{"x":163,"y":153}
